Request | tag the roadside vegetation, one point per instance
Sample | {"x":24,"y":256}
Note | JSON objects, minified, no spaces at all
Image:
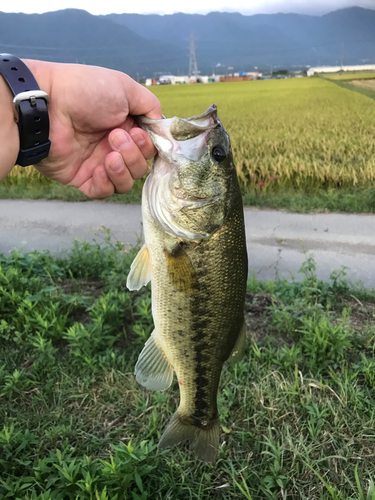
{"x":356,"y":81}
{"x":297,"y":413}
{"x":349,"y":75}
{"x":309,"y":138}
{"x":364,"y":87}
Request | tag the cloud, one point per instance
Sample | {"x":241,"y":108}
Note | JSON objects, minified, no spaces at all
{"x":316,"y":7}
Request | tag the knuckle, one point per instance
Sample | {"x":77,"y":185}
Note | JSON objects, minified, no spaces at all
{"x":132,"y":158}
{"x":125,"y":187}
{"x":140,"y":170}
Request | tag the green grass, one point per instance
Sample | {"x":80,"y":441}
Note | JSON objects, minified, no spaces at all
{"x":305,"y":137}
{"x":297,"y":413}
{"x":353,"y":200}
{"x":23,"y":188}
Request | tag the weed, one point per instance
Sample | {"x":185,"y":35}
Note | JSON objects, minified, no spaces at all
{"x":297,"y":412}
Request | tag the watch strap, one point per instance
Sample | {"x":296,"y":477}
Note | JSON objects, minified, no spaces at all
{"x":30,"y":110}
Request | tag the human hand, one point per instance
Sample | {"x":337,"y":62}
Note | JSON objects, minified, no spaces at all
{"x":95,"y":143}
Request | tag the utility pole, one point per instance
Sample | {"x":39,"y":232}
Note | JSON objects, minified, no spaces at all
{"x":193,"y":65}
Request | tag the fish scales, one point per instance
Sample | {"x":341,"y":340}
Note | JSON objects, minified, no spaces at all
{"x":198,"y":281}
{"x":207,"y":314}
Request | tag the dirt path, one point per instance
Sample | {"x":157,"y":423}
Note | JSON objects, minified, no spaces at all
{"x":367,"y":84}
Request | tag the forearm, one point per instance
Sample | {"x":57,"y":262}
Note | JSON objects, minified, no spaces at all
{"x":9,"y":137}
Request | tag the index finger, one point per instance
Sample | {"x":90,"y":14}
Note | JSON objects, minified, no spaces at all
{"x":141,"y":101}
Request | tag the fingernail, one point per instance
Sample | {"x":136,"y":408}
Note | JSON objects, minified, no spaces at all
{"x":120,"y":140}
{"x":117,"y":165}
{"x":138,"y":139}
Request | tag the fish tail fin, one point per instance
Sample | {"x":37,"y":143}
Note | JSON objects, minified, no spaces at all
{"x":204,"y":442}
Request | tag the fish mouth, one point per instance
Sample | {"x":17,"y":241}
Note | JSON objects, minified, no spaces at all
{"x":182,"y":129}
{"x":180,"y":134}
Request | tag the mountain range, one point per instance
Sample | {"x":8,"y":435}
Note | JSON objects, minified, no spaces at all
{"x":142,"y":45}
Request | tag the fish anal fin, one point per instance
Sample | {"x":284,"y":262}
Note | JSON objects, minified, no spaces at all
{"x":180,"y":269}
{"x":140,"y":270}
{"x":204,"y":442}
{"x":153,"y":369}
{"x":239,"y":347}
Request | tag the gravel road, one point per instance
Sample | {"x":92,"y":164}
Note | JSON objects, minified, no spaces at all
{"x":276,"y":240}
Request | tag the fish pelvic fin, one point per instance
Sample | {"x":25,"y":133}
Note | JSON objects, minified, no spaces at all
{"x":153,"y":370}
{"x":140,"y":271}
{"x":204,"y":442}
{"x":239,"y":348}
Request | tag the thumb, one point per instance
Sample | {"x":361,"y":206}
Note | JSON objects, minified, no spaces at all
{"x":141,"y":101}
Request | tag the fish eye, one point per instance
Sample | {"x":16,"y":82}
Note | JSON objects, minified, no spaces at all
{"x":218,"y":153}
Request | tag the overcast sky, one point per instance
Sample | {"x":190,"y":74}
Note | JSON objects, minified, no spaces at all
{"x":317,"y":7}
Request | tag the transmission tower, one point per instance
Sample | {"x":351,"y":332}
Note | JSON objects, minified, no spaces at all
{"x":193,"y":65}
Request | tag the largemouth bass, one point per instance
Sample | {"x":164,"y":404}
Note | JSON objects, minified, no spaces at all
{"x":195,"y":256}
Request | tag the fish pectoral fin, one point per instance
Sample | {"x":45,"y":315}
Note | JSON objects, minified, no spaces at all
{"x":204,"y":442}
{"x":153,"y":369}
{"x":140,"y":270}
{"x":180,"y":269}
{"x":239,"y":348}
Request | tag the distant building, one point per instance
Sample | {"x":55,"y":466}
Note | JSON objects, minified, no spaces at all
{"x":237,"y":77}
{"x":167,"y":80}
{"x":180,"y":80}
{"x":200,"y":79}
{"x":214,"y":78}
{"x":175,"y":80}
{"x":336,"y":69}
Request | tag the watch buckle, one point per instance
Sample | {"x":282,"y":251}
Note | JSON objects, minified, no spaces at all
{"x":31,"y":96}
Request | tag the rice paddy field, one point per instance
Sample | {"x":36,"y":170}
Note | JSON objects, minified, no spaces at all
{"x":303,"y":136}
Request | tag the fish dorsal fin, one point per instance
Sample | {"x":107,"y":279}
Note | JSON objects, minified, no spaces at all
{"x":239,"y":347}
{"x":140,"y":270}
{"x":153,"y":370}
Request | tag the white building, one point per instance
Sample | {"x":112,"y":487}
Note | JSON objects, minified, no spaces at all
{"x":181,"y":79}
{"x":336,"y":69}
{"x":173,"y":80}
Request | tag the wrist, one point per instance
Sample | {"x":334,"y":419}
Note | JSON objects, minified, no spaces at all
{"x":30,"y":110}
{"x":9,"y":136}
{"x":41,"y":71}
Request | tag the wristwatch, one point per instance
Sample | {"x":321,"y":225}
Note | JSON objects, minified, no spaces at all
{"x":30,"y":110}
